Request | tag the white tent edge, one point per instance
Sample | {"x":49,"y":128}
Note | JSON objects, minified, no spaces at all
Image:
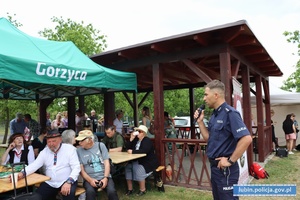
{"x":280,"y":97}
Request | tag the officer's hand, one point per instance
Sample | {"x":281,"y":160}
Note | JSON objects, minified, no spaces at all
{"x":223,"y":162}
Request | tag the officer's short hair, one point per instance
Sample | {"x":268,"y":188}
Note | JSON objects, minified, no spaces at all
{"x":216,"y":84}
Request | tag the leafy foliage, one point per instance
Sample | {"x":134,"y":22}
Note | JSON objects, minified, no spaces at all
{"x":86,"y":38}
{"x":293,"y":81}
{"x":13,"y":22}
{"x":293,"y":37}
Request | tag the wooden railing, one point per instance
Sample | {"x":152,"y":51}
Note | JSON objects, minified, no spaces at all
{"x":261,"y":152}
{"x":188,"y":162}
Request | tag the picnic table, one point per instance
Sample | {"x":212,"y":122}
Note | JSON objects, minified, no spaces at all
{"x":121,"y":157}
{"x":32,"y":179}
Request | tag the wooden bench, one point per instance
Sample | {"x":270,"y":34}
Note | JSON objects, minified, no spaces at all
{"x":79,"y":190}
{"x":158,"y":170}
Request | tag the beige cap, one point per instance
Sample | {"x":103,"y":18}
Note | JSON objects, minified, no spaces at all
{"x":84,"y":134}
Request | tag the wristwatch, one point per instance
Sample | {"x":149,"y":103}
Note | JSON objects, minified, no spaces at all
{"x":230,"y":161}
{"x":70,"y":180}
{"x":105,"y":177}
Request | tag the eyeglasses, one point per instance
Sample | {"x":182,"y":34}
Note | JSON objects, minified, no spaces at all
{"x":83,"y":139}
{"x":140,"y":131}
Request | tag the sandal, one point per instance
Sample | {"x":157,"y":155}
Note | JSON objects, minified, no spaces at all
{"x":129,"y":192}
{"x":141,"y":193}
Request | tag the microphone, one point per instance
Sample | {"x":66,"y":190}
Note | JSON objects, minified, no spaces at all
{"x":202,"y":107}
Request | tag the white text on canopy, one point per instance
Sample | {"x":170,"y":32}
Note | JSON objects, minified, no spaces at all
{"x":50,"y":71}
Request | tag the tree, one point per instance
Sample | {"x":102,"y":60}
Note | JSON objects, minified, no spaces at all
{"x":13,"y":22}
{"x":89,"y":41}
{"x":86,"y":38}
{"x":293,"y":81}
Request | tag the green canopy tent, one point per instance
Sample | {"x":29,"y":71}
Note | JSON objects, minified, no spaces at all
{"x":34,"y":68}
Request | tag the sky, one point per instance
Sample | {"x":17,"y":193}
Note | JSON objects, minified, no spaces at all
{"x":131,"y":22}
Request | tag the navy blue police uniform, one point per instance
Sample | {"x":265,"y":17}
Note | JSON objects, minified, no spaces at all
{"x":225,"y":128}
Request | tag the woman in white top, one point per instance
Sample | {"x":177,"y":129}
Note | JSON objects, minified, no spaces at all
{"x":57,"y":123}
{"x":146,"y":120}
{"x":118,"y":123}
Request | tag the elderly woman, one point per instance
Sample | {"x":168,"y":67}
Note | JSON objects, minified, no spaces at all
{"x":57,"y":123}
{"x":18,"y":151}
{"x":140,"y":169}
{"x":68,"y":136}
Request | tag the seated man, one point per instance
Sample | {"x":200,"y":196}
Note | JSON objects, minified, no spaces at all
{"x":95,"y":167}
{"x":113,"y":140}
{"x":61,"y":164}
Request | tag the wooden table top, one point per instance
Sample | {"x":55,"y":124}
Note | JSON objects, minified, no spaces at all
{"x":6,"y":185}
{"x":3,"y":145}
{"x":120,"y":157}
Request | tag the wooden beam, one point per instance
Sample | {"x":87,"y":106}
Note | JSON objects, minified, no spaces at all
{"x":253,"y":67}
{"x":196,"y":70}
{"x":159,"y":48}
{"x":247,"y":108}
{"x":164,"y":58}
{"x":234,"y":33}
{"x":260,"y":117}
{"x":199,"y":39}
{"x":128,"y":99}
{"x":158,"y":99}
{"x":243,"y":40}
{"x":225,"y":72}
{"x":235,"y":68}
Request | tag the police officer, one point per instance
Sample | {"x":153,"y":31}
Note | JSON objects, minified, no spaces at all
{"x":227,"y":139}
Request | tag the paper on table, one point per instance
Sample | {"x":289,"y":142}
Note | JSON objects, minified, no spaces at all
{"x":12,"y":179}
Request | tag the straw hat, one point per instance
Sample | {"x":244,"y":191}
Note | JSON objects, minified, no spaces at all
{"x":142,"y":128}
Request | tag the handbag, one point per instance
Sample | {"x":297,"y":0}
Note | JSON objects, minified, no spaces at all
{"x":111,"y":164}
{"x":282,"y":152}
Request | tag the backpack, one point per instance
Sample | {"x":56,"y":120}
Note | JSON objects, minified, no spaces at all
{"x":258,"y":172}
{"x":112,"y":166}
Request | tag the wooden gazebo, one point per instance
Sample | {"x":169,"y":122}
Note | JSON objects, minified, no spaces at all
{"x":192,"y":59}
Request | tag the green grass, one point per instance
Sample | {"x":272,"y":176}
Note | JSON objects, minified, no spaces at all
{"x":282,"y":171}
{"x":171,"y":192}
